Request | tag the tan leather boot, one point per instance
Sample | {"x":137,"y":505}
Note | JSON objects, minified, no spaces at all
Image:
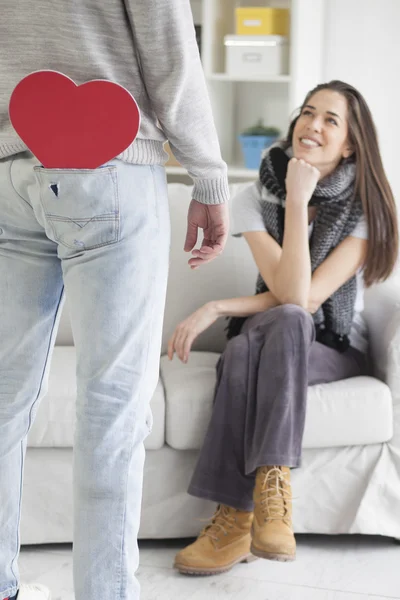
{"x":272,"y":524}
{"x":221,"y":545}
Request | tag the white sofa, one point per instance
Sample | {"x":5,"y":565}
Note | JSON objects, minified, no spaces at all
{"x":350,"y":478}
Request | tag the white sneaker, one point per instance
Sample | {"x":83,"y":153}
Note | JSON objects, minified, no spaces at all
{"x":33,"y":591}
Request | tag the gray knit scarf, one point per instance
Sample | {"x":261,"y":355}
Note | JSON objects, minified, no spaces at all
{"x":338,"y":214}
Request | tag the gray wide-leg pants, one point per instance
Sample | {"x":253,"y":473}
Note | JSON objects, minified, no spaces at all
{"x":260,"y":401}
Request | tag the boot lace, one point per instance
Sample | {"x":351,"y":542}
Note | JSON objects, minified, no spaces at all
{"x":275,"y":495}
{"x":221,"y":522}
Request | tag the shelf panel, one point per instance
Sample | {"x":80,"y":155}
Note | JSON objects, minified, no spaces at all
{"x":233,"y":171}
{"x":242,"y":172}
{"x":252,"y":78}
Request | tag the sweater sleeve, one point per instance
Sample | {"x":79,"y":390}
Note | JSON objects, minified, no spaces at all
{"x":173,"y":76}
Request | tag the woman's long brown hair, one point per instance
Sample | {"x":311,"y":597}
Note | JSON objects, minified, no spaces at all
{"x":371,"y":184}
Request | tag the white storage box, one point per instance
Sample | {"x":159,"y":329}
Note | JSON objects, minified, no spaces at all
{"x":256,"y":55}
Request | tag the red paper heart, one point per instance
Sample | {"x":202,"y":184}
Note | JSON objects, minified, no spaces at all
{"x":73,"y":127}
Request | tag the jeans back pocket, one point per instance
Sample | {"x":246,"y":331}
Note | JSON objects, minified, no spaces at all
{"x":81,"y":206}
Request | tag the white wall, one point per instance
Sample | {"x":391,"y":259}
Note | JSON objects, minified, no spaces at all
{"x":363,"y":48}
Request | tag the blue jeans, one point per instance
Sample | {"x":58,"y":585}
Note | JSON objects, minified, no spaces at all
{"x":103,"y":236}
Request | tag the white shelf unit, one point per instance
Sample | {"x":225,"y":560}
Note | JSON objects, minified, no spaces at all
{"x":240,"y":102}
{"x":270,"y":79}
{"x":234,"y":172}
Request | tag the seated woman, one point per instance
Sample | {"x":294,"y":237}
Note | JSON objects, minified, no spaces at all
{"x":321,"y":225}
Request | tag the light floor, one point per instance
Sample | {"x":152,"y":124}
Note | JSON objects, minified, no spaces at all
{"x":327,"y":568}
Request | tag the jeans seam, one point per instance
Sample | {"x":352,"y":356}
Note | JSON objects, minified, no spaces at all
{"x":14,"y":188}
{"x":119,"y":597}
{"x":47,"y":358}
{"x":155,"y":194}
{"x":117,"y":207}
{"x":130,"y":461}
{"x":43,"y":206}
{"x":29,"y":426}
{"x":19,"y":512}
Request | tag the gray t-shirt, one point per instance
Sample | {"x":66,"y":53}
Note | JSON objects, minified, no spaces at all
{"x":247,"y":216}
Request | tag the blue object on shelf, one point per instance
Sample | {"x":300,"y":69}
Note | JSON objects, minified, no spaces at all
{"x":253,"y":147}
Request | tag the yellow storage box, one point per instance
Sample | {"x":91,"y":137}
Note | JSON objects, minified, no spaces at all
{"x":262,"y":21}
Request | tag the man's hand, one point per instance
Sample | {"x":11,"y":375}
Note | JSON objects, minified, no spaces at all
{"x":213,"y":219}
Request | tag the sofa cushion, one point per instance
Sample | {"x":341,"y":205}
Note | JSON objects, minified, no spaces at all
{"x":351,"y":412}
{"x":55,"y":420}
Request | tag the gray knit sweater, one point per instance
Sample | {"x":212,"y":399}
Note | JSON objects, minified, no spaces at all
{"x":148,"y":46}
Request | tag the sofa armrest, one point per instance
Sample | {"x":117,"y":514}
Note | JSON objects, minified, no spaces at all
{"x":382,"y":312}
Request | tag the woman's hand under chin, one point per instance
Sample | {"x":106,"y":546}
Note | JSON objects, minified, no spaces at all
{"x":301,"y":181}
{"x":187,"y":331}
